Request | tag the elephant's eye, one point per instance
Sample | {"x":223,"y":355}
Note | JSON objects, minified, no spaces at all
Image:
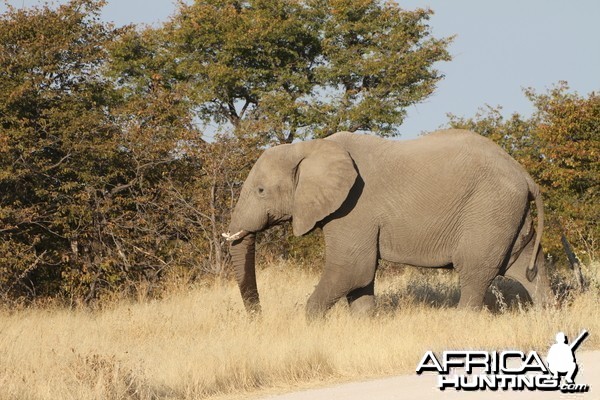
{"x":261,"y":190}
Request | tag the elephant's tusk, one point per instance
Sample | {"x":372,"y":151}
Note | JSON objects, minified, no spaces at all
{"x":235,"y":236}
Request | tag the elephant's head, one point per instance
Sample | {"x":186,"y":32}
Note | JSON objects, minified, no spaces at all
{"x":304,"y":182}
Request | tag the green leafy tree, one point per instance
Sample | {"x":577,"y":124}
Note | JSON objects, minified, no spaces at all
{"x":287,"y":69}
{"x":560,"y":146}
{"x":376,"y":61}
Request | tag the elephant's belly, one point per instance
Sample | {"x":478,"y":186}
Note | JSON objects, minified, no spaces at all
{"x":407,"y":250}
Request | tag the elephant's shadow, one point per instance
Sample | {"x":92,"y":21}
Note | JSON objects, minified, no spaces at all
{"x":504,"y":294}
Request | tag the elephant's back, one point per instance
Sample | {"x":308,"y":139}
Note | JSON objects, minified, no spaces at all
{"x":437,"y":171}
{"x":454,"y":141}
{"x":463,"y":149}
{"x":446,"y":142}
{"x":444,"y":156}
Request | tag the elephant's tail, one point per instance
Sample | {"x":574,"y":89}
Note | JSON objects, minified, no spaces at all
{"x":534,"y":190}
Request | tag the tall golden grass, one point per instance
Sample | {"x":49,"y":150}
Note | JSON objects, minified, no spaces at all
{"x":199,"y":343}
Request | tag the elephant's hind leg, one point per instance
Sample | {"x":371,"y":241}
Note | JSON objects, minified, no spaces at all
{"x":478,"y":262}
{"x":473,"y":288}
{"x":486,"y":241}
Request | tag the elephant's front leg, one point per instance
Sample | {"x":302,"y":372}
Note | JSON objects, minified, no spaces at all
{"x":349,"y":271}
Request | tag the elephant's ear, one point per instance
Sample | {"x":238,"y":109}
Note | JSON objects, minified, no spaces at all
{"x":324,"y":177}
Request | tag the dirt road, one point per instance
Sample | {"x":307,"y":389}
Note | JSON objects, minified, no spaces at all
{"x":424,"y":387}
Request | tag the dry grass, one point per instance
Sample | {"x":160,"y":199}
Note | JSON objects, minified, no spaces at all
{"x":199,"y":343}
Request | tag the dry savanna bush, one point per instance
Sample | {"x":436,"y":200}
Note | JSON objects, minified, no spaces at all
{"x":199,"y":342}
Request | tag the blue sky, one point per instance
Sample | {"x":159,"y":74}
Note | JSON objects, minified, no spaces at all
{"x":500,"y":47}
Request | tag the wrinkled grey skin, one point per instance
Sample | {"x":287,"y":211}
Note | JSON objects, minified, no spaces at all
{"x":451,"y":198}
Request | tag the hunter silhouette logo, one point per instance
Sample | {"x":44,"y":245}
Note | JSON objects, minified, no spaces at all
{"x":561,"y":356}
{"x":509,"y":369}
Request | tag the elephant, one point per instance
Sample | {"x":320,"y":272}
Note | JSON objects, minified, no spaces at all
{"x":451,"y":198}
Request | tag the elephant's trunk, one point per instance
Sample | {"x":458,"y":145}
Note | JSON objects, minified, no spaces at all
{"x":243,"y":259}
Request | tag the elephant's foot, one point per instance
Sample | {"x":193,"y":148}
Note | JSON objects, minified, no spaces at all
{"x":362,"y":300}
{"x":363,"y":306}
